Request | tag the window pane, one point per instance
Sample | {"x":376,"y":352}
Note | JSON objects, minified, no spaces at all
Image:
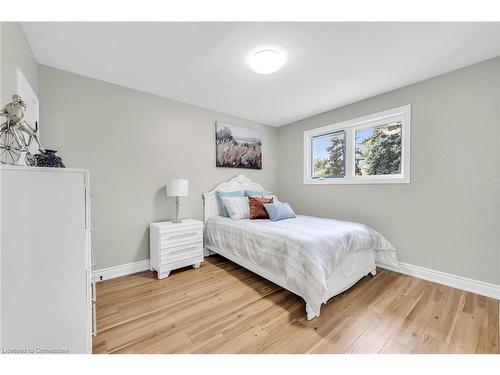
{"x":328,"y":155}
{"x":378,"y":150}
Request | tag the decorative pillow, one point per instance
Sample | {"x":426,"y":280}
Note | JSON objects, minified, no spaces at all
{"x":279,"y":211}
{"x":260,"y":194}
{"x":221,"y":194}
{"x":237,"y":207}
{"x":254,"y":193}
{"x":257,"y":210}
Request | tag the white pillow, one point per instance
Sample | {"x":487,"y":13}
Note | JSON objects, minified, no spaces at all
{"x":237,"y":207}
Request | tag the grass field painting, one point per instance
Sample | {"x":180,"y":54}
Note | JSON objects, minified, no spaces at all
{"x":238,"y":147}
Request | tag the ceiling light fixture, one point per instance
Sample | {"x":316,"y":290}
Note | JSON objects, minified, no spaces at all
{"x":266,"y":61}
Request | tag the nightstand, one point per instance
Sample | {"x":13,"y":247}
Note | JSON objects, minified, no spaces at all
{"x":175,"y":245}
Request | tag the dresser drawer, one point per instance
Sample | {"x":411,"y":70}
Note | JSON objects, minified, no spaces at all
{"x":169,"y":244}
{"x":182,"y":235}
{"x":187,"y":252}
{"x":179,"y":249}
{"x":180,"y":227}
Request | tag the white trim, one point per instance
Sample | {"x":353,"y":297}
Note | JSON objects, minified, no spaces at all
{"x":43,"y":169}
{"x":403,"y":112}
{"x":459,"y":282}
{"x":122,"y":270}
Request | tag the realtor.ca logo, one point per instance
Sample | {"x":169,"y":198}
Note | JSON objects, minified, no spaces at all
{"x":34,"y":351}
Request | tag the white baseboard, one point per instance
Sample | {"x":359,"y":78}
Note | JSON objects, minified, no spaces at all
{"x":117,"y":271}
{"x":458,"y":282}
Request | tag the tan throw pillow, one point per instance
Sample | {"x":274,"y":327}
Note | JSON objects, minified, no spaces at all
{"x":257,"y":210}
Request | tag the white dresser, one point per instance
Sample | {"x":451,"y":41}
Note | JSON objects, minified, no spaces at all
{"x":45,"y":260}
{"x":175,"y":245}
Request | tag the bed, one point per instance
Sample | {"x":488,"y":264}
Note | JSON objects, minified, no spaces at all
{"x":315,"y":258}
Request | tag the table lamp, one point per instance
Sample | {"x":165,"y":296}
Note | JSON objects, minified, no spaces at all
{"x":177,"y":187}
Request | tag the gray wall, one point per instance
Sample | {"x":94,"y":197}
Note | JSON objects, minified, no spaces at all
{"x":447,"y":219}
{"x":16,"y":53}
{"x":133,"y":143}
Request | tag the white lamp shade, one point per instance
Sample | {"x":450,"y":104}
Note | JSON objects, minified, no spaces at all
{"x":177,"y":187}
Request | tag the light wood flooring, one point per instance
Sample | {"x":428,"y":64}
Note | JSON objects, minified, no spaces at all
{"x":223,"y":308}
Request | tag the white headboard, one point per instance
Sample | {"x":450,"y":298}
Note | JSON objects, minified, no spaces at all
{"x":211,"y":205}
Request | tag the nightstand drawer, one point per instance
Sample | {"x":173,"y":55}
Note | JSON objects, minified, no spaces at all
{"x":180,"y":227}
{"x":168,"y":244}
{"x":176,"y":249}
{"x":181,"y":235}
{"x":185,"y":253}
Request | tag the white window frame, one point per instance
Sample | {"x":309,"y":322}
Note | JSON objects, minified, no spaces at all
{"x":402,"y":114}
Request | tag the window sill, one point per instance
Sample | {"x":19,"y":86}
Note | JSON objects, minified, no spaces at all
{"x":357,"y":181}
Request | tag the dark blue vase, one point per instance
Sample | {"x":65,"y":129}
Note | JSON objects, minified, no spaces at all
{"x":49,"y":159}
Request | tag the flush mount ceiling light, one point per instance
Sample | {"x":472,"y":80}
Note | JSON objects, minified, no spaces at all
{"x":266,"y":61}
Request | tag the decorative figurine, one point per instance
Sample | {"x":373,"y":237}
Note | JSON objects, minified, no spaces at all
{"x":16,"y":134}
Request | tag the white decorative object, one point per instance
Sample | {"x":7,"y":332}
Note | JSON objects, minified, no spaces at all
{"x":25,"y":91}
{"x":237,"y":207}
{"x":46,"y":294}
{"x":175,"y":245}
{"x":177,"y":188}
{"x":355,"y":266}
{"x":16,"y":135}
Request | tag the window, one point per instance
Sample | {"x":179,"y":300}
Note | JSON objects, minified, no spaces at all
{"x":378,"y":150}
{"x":369,"y":149}
{"x":328,"y":160}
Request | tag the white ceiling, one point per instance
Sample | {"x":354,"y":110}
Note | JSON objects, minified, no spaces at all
{"x":328,"y":64}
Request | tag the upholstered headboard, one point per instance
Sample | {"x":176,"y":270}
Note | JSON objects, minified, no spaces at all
{"x":211,"y":205}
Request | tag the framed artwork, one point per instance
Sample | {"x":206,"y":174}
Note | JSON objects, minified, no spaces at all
{"x":237,"y":146}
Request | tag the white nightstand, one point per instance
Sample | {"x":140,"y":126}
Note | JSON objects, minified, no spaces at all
{"x":174,"y":246}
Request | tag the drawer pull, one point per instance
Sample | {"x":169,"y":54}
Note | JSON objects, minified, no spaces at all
{"x":183,"y":235}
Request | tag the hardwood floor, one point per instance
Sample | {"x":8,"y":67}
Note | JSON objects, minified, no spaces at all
{"x":223,"y":308}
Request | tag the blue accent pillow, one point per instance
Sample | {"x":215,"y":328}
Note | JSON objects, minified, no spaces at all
{"x":221,"y":194}
{"x":279,"y":211}
{"x":254,"y":193}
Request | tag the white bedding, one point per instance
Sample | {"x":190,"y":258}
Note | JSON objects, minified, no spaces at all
{"x":303,"y":251}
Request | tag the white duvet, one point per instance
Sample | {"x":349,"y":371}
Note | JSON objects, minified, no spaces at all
{"x":304,"y":251}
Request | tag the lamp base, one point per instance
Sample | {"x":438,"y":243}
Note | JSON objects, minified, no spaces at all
{"x":177,"y":219}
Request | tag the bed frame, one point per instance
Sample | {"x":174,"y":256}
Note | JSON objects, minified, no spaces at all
{"x":354,"y":267}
